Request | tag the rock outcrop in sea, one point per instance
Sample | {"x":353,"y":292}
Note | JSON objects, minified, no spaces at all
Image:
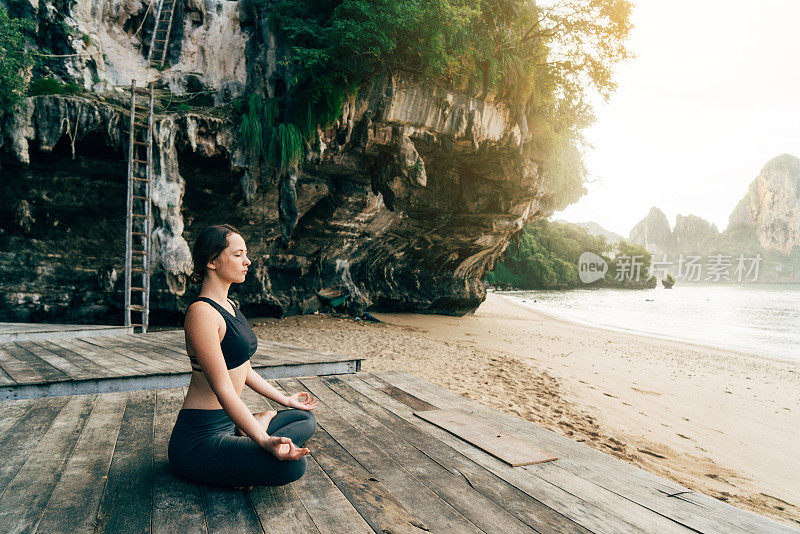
{"x":412,"y":195}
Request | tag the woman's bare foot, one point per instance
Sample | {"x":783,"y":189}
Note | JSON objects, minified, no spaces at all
{"x":263,"y":419}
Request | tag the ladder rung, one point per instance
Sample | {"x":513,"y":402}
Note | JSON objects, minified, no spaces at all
{"x":142,"y":143}
{"x":138,"y":215}
{"x":137,"y":324}
{"x":139,"y":197}
{"x":137,"y":288}
{"x":139,"y":233}
{"x":139,"y":252}
{"x":140,"y":124}
{"x":139,"y":161}
{"x":137,"y":307}
{"x":159,"y":40}
{"x":138,"y":270}
{"x":141,"y":179}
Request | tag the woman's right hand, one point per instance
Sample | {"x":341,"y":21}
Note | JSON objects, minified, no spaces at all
{"x":283,"y":449}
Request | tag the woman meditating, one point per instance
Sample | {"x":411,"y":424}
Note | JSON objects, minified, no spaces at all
{"x":216,"y":440}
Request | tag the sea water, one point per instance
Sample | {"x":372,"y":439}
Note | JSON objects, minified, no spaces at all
{"x":760,"y":319}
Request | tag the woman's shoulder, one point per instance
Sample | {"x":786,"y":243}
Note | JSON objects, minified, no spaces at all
{"x":201,"y":311}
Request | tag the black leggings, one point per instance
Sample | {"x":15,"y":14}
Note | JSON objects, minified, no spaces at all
{"x":203,"y":447}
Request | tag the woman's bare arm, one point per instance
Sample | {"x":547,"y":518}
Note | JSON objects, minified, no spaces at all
{"x":257,"y":383}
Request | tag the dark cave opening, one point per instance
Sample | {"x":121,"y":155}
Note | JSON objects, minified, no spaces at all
{"x":211,"y":195}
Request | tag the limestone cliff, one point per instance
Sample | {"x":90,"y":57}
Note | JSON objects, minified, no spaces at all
{"x":693,"y":234}
{"x":772,"y":205}
{"x":653,"y":232}
{"x":410,"y":197}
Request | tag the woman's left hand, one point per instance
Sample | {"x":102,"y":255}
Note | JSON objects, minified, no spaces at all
{"x":301,"y":401}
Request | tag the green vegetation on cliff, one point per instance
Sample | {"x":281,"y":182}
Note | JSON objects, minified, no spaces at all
{"x":546,"y":257}
{"x":15,"y":61}
{"x":542,"y":61}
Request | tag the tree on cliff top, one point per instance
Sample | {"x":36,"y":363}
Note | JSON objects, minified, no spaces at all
{"x":15,"y":60}
{"x":542,"y":60}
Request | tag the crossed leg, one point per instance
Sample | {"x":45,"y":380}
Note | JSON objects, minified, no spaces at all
{"x":298,"y":425}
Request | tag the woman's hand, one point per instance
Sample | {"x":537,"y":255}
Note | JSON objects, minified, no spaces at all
{"x":301,"y":401}
{"x":283,"y":448}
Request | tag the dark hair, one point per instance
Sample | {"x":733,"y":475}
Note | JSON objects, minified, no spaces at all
{"x":207,"y":247}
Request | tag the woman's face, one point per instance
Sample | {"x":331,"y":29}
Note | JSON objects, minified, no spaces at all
{"x":231,"y":264}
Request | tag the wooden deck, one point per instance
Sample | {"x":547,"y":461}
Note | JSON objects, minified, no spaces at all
{"x":97,"y":463}
{"x":31,"y":331}
{"x":83,"y":365}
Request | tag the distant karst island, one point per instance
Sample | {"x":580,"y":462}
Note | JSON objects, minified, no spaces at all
{"x":760,"y":244}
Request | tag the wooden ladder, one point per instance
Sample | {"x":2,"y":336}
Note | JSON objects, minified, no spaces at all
{"x":138,"y":221}
{"x":161,"y":30}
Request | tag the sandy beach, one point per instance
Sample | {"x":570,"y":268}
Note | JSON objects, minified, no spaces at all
{"x":717,"y":421}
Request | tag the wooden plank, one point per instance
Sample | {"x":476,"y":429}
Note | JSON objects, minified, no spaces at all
{"x":229,"y":511}
{"x":272,"y":353}
{"x":73,"y":371}
{"x":94,"y":369}
{"x":46,"y":369}
{"x":145,"y":343}
{"x":5,"y":378}
{"x":113,"y":367}
{"x":175,"y":359}
{"x":126,"y":504}
{"x":11,"y":412}
{"x":447,"y":486}
{"x":153,"y":363}
{"x":663,"y":497}
{"x":43,"y":369}
{"x":379,"y":508}
{"x":312,"y":504}
{"x":593,"y":508}
{"x":19,"y":370}
{"x":138,"y":363}
{"x":127,"y":366}
{"x":413,"y":494}
{"x":279,"y":509}
{"x":22,"y":438}
{"x":165,"y":344}
{"x":489,"y":438}
{"x":526,"y":508}
{"x":74,"y":504}
{"x":154,"y":360}
{"x":24,"y":499}
{"x":407,"y":399}
{"x":177,"y":504}
{"x":13,"y":332}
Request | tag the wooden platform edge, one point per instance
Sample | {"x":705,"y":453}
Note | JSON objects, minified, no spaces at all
{"x":161,"y":380}
{"x":65,"y":334}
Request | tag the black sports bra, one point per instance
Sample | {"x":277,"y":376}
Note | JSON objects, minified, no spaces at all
{"x":239,"y":343}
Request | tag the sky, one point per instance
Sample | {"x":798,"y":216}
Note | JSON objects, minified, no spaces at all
{"x":713,"y":94}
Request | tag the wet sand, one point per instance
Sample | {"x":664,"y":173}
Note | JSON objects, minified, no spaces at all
{"x":717,"y":421}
